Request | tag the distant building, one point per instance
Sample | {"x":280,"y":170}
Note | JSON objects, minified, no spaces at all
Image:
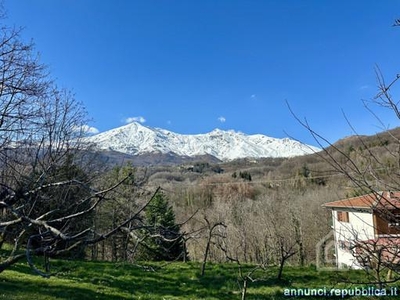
{"x":366,"y":227}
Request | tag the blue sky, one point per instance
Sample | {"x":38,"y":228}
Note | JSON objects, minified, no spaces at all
{"x":192,"y":66}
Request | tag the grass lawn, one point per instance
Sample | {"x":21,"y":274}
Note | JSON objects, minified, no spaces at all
{"x":104,"y":280}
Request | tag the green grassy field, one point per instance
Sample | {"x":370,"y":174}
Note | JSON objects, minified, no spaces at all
{"x":104,"y":280}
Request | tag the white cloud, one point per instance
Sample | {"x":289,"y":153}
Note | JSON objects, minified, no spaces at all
{"x":139,"y":119}
{"x":222,"y":119}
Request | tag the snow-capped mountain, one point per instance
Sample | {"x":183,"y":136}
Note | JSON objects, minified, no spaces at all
{"x":136,"y":139}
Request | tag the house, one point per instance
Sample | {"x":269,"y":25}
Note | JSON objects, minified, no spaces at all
{"x":364,"y":227}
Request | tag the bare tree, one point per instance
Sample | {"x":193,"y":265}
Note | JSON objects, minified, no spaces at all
{"x":210,"y":227}
{"x":47,"y":197}
{"x":380,"y":257}
{"x":371,"y":173}
{"x":243,"y":277}
{"x":285,"y":236}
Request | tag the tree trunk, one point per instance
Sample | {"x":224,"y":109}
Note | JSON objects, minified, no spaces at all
{"x":280,"y":272}
{"x":203,"y":265}
{"x":244,"y":289}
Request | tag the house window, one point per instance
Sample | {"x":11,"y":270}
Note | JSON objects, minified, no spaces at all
{"x":343,"y":216}
{"x":395,"y":222}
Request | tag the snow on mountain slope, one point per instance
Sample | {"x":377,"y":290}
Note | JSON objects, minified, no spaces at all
{"x":136,"y":139}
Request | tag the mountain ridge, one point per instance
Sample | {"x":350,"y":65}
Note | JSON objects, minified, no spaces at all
{"x":136,"y":139}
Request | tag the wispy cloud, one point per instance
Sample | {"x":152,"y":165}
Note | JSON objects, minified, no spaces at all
{"x":222,"y":119}
{"x":139,"y":119}
{"x":364,"y":87}
{"x":253,"y":97}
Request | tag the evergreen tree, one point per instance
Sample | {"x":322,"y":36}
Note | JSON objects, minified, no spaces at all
{"x":162,"y":238}
{"x":245,"y":175}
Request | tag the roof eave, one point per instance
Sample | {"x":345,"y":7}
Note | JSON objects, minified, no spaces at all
{"x":348,"y":207}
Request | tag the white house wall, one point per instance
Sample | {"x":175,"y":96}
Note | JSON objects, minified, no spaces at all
{"x":359,"y":227}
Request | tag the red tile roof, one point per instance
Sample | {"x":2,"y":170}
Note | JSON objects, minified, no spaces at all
{"x":388,"y":200}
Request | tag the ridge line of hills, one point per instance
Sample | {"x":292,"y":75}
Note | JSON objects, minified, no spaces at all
{"x":144,"y":143}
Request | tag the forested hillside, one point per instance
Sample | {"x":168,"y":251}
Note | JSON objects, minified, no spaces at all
{"x":265,"y":211}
